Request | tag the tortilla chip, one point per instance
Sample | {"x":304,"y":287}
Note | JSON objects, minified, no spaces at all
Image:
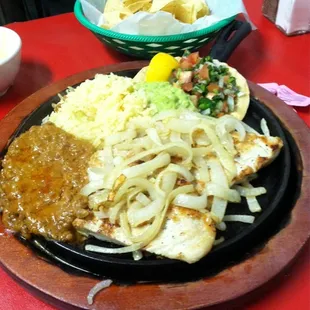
{"x":186,"y":13}
{"x":158,"y":5}
{"x":126,"y":3}
{"x":124,"y":13}
{"x":171,"y":7}
{"x":136,"y":6}
{"x":146,"y":7}
{"x":113,"y":6}
{"x":203,"y":12}
{"x":201,"y":8}
{"x":141,"y":75}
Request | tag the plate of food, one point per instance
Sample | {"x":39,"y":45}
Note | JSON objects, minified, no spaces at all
{"x":161,"y":172}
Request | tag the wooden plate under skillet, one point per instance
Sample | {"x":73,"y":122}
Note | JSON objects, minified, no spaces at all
{"x":256,"y":263}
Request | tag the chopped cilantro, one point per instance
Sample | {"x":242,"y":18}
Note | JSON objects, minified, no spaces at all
{"x":205,"y":103}
{"x":178,"y":73}
{"x":232,"y":80}
{"x":218,"y":97}
{"x":223,"y":70}
{"x":200,"y":88}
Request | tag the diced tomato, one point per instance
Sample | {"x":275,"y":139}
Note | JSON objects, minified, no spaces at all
{"x":204,"y":72}
{"x":187,"y":86}
{"x":225,"y":107}
{"x":212,"y":87}
{"x":226,"y":78}
{"x":185,"y":64}
{"x":193,"y":58}
{"x":186,"y":77}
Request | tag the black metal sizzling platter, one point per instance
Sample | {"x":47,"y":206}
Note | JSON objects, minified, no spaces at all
{"x":281,"y":180}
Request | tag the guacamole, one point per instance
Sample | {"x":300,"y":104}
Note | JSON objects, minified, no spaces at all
{"x":163,"y":96}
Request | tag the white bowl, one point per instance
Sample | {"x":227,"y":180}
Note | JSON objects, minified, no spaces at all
{"x":10,"y":53}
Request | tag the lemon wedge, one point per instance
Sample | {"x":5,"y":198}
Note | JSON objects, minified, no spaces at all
{"x":160,"y":67}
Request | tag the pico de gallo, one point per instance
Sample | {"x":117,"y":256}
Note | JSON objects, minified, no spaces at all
{"x":212,"y":88}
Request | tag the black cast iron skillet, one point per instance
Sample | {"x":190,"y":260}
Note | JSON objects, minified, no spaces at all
{"x":238,"y":236}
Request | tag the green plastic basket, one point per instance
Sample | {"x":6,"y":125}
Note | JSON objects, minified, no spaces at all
{"x":148,"y":46}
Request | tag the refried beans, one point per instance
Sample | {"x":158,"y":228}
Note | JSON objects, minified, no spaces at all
{"x":43,"y":172}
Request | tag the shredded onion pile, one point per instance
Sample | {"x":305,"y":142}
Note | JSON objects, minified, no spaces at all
{"x":177,"y":157}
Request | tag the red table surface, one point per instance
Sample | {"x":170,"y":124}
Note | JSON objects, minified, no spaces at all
{"x":56,"y":47}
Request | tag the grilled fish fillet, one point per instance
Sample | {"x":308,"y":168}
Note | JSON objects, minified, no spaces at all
{"x":188,"y":235}
{"x":254,"y":153}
